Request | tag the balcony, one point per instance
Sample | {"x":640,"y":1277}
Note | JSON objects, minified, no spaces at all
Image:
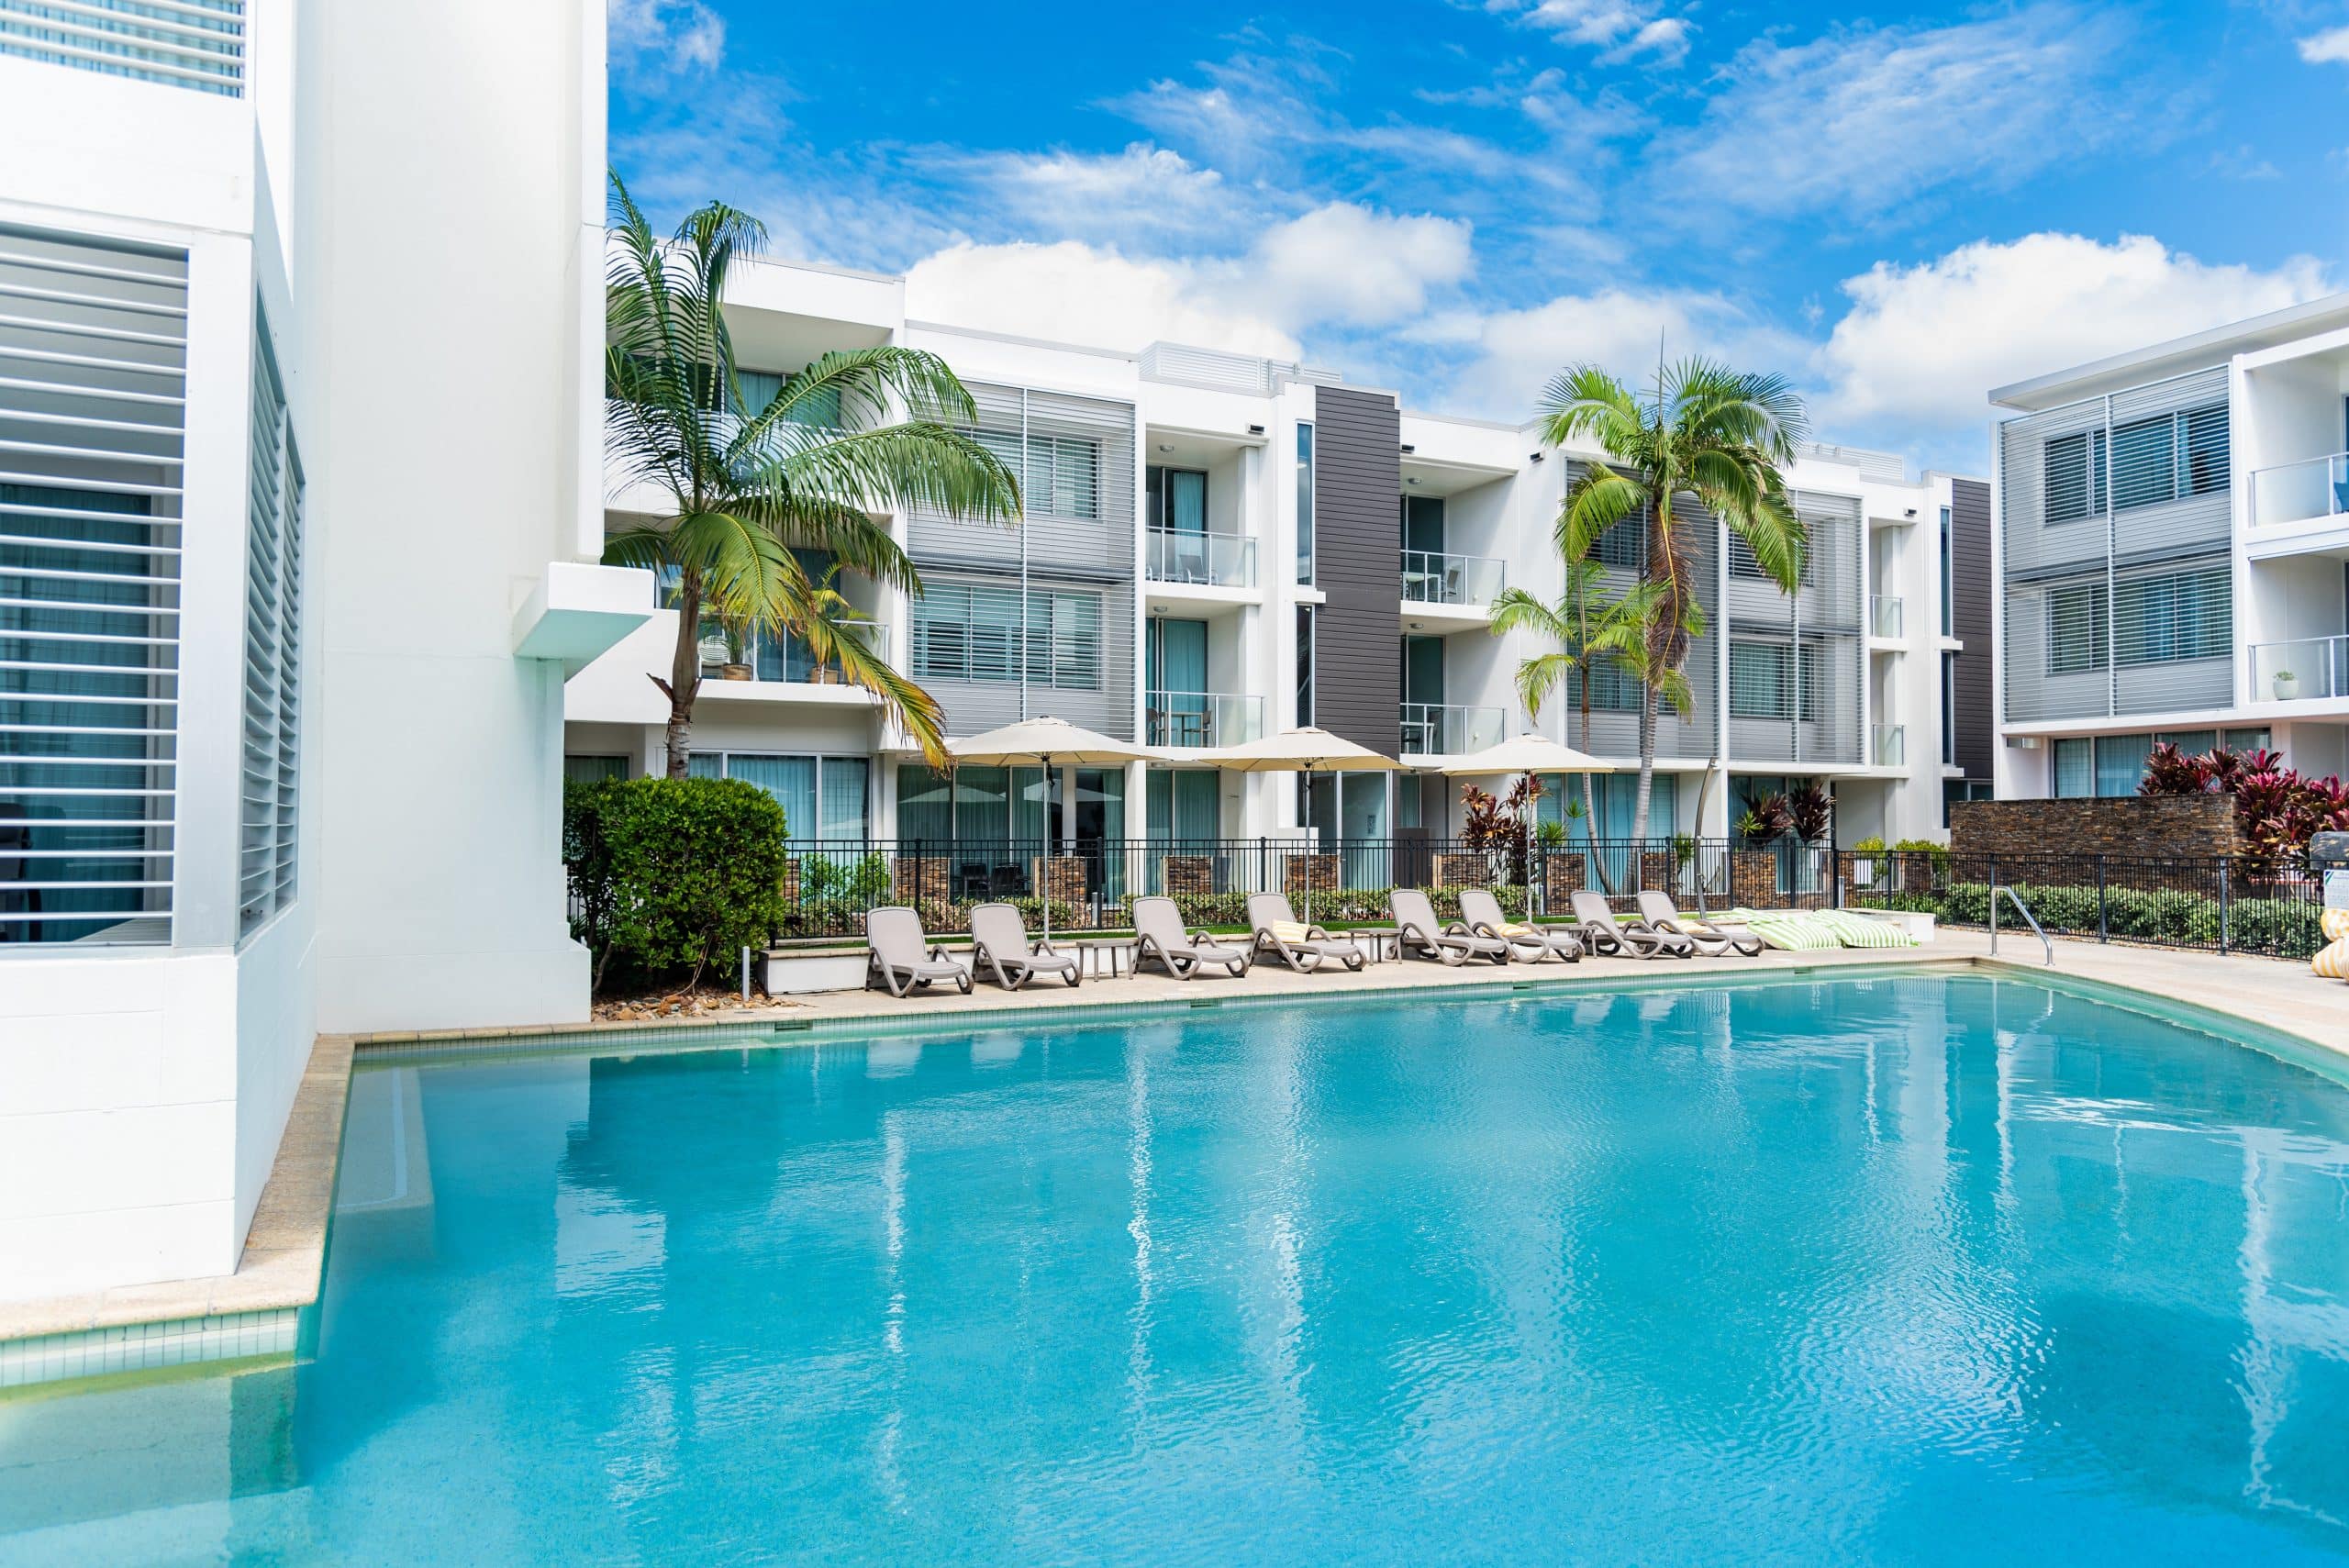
{"x":784,"y":658}
{"x":2311,"y":669}
{"x":2300,"y":492}
{"x":1202,"y":718}
{"x":1434,"y":729}
{"x":1433,"y":577}
{"x":1201,"y":560}
{"x":1885,"y":619}
{"x":1888,"y":745}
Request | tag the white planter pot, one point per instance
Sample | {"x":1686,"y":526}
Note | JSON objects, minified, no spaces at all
{"x":2287,"y":687}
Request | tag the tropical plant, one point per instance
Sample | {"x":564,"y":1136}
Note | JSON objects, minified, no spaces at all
{"x":1764,"y":818}
{"x":747,"y":485}
{"x":1703,"y":430}
{"x":672,"y":877}
{"x":1590,"y":627}
{"x":1810,"y":812}
{"x":2277,"y":808}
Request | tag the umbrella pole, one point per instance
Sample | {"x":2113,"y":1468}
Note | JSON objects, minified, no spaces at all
{"x":1312,"y":847}
{"x":1049,"y":847}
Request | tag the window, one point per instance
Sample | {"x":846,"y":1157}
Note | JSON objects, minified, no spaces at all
{"x":1305,"y":664}
{"x":2078,"y":635}
{"x":971,"y":631}
{"x":2120,"y":763}
{"x":1624,"y":545}
{"x":1304,"y":508}
{"x":2165,"y":457}
{"x":2074,"y":768}
{"x":199,"y":46}
{"x":2161,"y":620}
{"x":1614,"y":687}
{"x":2073,"y":468}
{"x":577,"y":769}
{"x":269,"y":831}
{"x":817,"y":410}
{"x":822,"y":797}
{"x":1743,"y":563}
{"x":1762,"y":681}
{"x":1949,"y":603}
{"x":1949,"y":708}
{"x":1060,"y":478}
{"x":1176,"y":500}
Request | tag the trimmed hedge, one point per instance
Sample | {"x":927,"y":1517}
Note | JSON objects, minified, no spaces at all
{"x":2283,"y":927}
{"x":671,"y":878}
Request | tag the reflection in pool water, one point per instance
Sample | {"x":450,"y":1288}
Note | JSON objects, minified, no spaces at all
{"x":1920,"y":1270}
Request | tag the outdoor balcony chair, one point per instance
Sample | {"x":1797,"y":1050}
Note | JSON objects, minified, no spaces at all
{"x":1481,"y":915}
{"x":903,"y":958}
{"x":1658,"y":912}
{"x":1158,"y":939}
{"x":1418,"y":933}
{"x":1304,"y":948}
{"x":1603,"y":933}
{"x":999,"y":940}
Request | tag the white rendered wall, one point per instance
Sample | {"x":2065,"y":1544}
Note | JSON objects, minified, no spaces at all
{"x":439,"y":244}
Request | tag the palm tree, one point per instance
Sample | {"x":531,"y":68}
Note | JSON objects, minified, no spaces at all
{"x":1590,"y":627}
{"x":1706,"y":431}
{"x":746,"y":488}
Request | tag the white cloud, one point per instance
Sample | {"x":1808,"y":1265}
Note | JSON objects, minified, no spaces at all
{"x":1875,"y":116}
{"x":658,"y":37}
{"x":2328,"y":48}
{"x":1512,"y":354}
{"x":1142,"y":189}
{"x":1346,"y":263}
{"x":1921,"y":346}
{"x":1072,"y":292}
{"x":1622,"y":30}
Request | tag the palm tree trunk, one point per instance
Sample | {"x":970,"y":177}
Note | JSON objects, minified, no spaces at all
{"x":684,"y":673}
{"x":1590,"y":797}
{"x":1647,"y":765}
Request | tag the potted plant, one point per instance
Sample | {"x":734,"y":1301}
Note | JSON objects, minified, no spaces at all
{"x":2288,"y":685}
{"x":736,"y":665}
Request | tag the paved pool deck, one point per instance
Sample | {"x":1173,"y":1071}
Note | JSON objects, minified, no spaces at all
{"x":285,"y":1254}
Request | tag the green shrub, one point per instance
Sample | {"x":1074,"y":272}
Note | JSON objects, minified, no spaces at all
{"x":2168,"y":916}
{"x":1868,"y":846}
{"x":671,"y":877}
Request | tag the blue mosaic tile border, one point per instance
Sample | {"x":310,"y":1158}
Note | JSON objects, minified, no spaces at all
{"x":137,"y":1347}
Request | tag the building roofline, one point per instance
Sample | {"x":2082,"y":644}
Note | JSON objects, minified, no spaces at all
{"x":2157,"y":362}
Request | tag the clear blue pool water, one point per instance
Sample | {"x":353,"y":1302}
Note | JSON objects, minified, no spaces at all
{"x":1913,"y":1270}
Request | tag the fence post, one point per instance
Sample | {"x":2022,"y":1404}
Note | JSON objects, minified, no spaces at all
{"x":2223,"y":906}
{"x":2103,"y":924}
{"x":1263,"y":865}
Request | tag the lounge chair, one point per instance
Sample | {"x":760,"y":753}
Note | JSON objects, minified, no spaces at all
{"x":1603,"y":933}
{"x":903,"y":958}
{"x":999,"y":940}
{"x":1159,"y":938}
{"x":1481,"y":915}
{"x":1302,"y":947}
{"x":1416,"y":931}
{"x":1658,"y":912}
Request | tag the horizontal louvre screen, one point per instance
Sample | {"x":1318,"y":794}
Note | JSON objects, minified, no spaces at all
{"x":268,"y":830}
{"x":92,"y":384}
{"x":198,"y":44}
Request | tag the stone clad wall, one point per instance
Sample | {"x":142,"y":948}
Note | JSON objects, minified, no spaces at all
{"x":2123,"y":825}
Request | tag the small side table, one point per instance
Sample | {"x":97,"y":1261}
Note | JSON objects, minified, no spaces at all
{"x":1111,"y":955}
{"x":1385,"y":942}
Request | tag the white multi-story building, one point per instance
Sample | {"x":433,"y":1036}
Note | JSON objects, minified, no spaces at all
{"x":300,"y":505}
{"x":2173,"y":542}
{"x":1217,"y":547}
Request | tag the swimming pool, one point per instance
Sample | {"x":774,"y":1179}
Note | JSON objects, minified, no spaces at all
{"x":1914,"y":1269}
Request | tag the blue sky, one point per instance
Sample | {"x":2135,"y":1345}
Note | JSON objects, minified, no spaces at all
{"x":1457,"y":197}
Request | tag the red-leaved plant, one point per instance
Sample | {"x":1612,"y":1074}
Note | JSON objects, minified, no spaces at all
{"x":2276,"y":811}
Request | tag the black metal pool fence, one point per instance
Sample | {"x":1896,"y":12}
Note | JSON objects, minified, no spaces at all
{"x":2225,"y":906}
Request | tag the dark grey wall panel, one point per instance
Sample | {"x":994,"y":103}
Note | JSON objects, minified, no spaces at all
{"x":1970,"y":590}
{"x":1357,"y":562}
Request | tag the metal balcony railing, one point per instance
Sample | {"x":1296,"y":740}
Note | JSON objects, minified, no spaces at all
{"x":1885,"y":617}
{"x":2299,"y":492}
{"x":1434,"y":578}
{"x":1435,"y":730}
{"x":1888,"y":745}
{"x":1219,"y":560}
{"x":1202,"y":718}
{"x":2295,"y":672}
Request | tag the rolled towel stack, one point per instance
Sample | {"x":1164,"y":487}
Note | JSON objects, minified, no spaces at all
{"x":2332,"y":962}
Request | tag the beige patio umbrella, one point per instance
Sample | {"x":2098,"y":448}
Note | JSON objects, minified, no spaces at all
{"x":1051,"y":744}
{"x":1305,"y":751}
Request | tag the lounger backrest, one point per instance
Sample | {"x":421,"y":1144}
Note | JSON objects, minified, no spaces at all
{"x":896,"y":935}
{"x":1479,"y":907}
{"x":1658,"y":908}
{"x":1270,"y":910}
{"x":1000,"y":928}
{"x":1591,"y":908}
{"x":1410,"y":908}
{"x":1161,"y":920}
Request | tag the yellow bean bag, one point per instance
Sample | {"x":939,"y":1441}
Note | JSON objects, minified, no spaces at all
{"x":2335,"y":923}
{"x":2333,"y":961}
